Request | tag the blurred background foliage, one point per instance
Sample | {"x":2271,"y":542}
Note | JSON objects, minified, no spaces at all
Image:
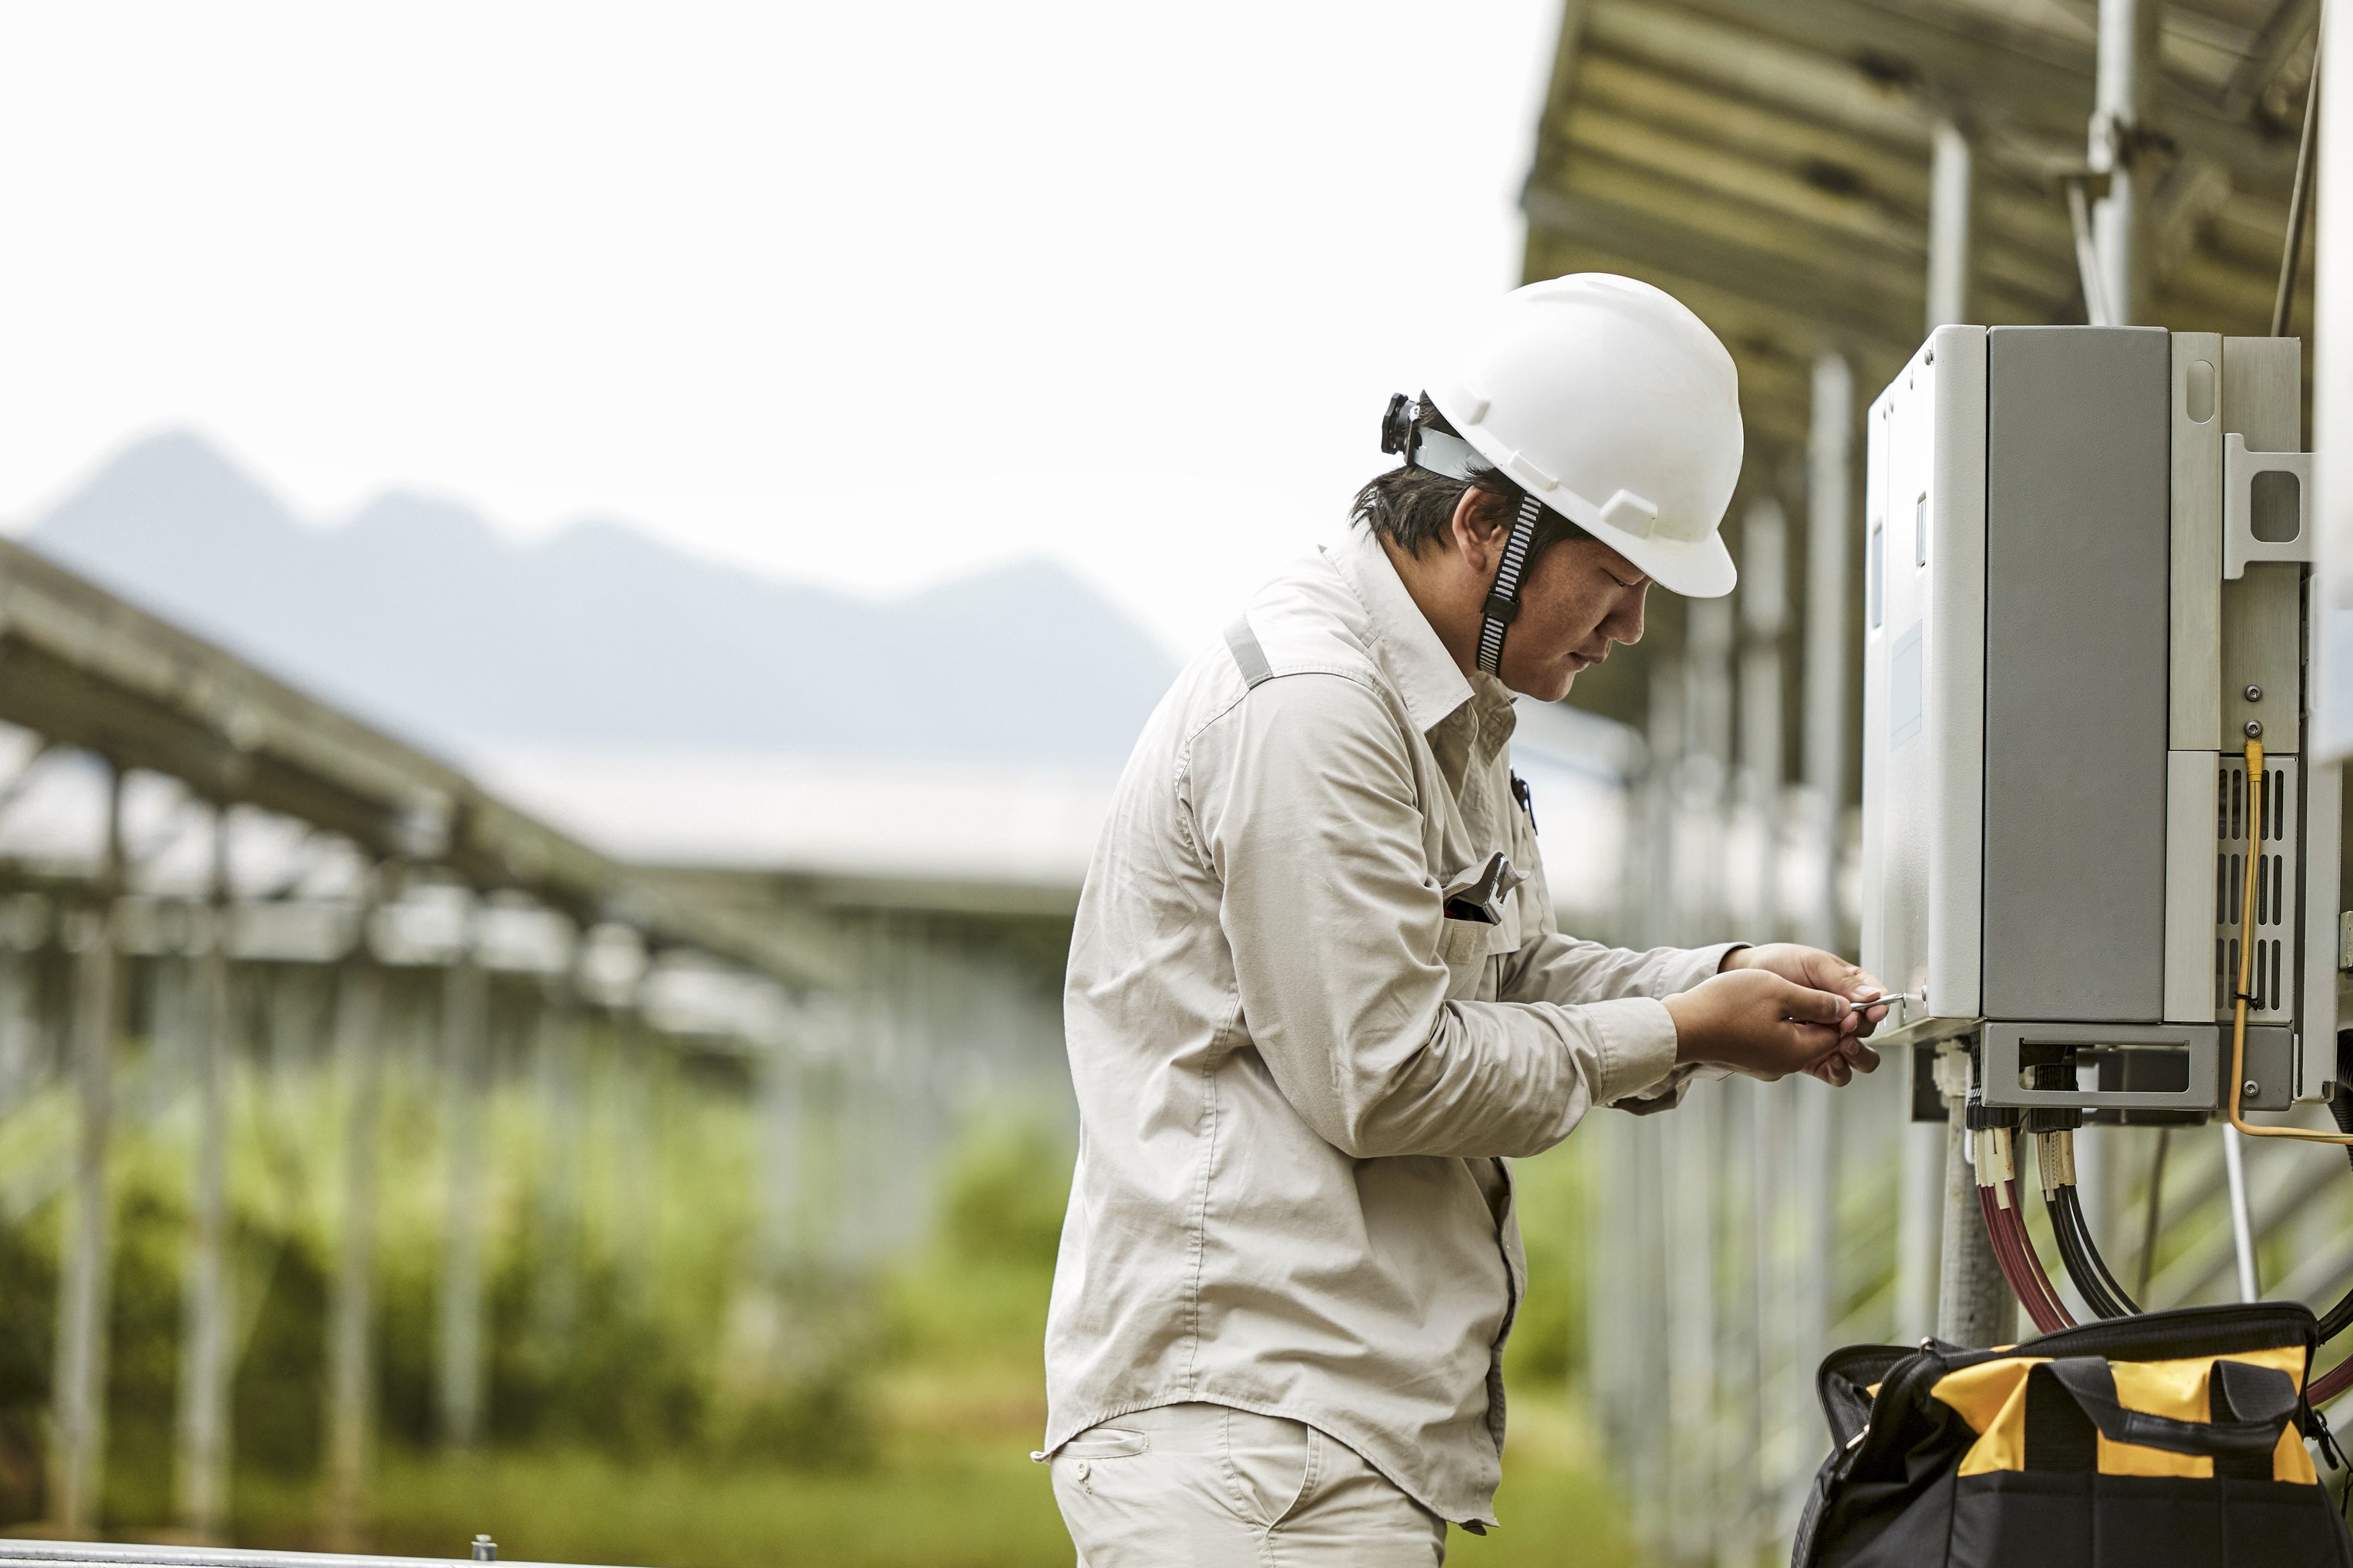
{"x":664,"y":1394}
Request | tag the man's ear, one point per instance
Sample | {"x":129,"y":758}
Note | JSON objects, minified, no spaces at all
{"x":1476,"y":529}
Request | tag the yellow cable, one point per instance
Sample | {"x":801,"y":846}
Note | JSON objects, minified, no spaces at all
{"x":2256,"y":793}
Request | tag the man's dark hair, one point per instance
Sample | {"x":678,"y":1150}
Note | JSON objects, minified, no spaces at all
{"x":1412,"y":508}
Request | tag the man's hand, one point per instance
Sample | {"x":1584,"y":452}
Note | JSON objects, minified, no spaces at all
{"x":1757,"y":1023}
{"x":1824,"y":972}
{"x":1780,"y":1009}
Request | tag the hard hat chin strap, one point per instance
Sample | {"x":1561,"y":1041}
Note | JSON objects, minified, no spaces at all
{"x":1503,"y":604}
{"x":1405,"y":431}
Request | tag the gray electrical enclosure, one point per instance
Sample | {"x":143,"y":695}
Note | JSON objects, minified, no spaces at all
{"x":2076,"y":542}
{"x":2081,"y":587}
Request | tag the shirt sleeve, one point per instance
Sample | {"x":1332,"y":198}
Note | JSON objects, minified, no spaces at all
{"x":1305,"y":804}
{"x":1552,"y":967}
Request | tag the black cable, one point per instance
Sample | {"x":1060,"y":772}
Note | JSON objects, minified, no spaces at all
{"x":2339,"y":1318}
{"x":2085,"y":1266}
{"x":2116,"y":1292}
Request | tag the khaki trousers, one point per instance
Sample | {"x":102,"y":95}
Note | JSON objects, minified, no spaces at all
{"x":1201,"y":1486}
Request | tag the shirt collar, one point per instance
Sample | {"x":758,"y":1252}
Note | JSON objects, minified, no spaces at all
{"x":1427,"y":677}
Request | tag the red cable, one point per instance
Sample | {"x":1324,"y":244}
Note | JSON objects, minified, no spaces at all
{"x":1999,"y":1235}
{"x":2026,"y":1246}
{"x":2009,"y":1251}
{"x":2330,"y":1384}
{"x":2013,"y":1266}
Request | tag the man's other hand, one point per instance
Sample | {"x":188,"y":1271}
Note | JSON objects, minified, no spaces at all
{"x":1824,"y":972}
{"x":1756,"y":1022}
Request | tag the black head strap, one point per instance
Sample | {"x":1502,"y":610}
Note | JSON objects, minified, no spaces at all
{"x":1503,"y":603}
{"x":1405,"y":432}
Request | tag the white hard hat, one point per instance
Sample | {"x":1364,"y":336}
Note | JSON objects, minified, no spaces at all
{"x":1611,"y":402}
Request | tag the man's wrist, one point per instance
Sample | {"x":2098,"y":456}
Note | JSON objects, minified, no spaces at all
{"x":1735,"y":957}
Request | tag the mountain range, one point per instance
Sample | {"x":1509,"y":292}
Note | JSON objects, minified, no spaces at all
{"x":419,"y":617}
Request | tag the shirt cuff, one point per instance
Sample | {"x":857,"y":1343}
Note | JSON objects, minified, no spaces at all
{"x":1638,"y":1046}
{"x":1707,"y":961}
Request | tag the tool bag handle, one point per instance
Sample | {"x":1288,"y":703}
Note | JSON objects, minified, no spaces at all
{"x":2251,"y":1407}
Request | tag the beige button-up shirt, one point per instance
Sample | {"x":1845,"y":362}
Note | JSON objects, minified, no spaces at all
{"x":1298,"y":1077}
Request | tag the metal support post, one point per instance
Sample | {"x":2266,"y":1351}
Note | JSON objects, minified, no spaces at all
{"x":1777,"y":1355}
{"x":351,"y":1306}
{"x":783,"y":1226}
{"x":78,"y":1450}
{"x":1763,"y":619}
{"x":1654,"y":905}
{"x":1921,"y":1146}
{"x":2126,"y":76}
{"x":1919,"y":1224}
{"x":1830,"y":536}
{"x":1691,"y":1143}
{"x":2332,"y":389}
{"x":560,"y":1044}
{"x":1704,"y":797}
{"x":2243,"y":1236}
{"x":1814,"y":1189}
{"x":636,"y":1156}
{"x":1974,"y":1306}
{"x":1952,"y":197}
{"x":466,"y":1039}
{"x":206,"y":1362}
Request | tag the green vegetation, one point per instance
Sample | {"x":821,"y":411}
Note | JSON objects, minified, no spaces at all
{"x":658,"y":1393}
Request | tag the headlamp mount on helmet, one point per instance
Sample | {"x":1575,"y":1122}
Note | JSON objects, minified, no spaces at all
{"x":1406,"y":432}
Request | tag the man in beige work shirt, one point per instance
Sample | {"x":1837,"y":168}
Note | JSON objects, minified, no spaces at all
{"x":1317,"y":999}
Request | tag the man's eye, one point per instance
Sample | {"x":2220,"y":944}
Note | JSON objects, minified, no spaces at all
{"x":1617,"y":579}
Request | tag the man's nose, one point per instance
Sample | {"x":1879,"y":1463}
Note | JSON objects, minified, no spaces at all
{"x":1624,"y":624}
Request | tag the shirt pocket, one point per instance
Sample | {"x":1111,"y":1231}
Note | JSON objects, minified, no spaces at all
{"x":1465,"y":946}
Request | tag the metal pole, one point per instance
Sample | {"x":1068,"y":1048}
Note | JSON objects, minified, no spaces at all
{"x":350,"y":1309}
{"x":1660,"y":919}
{"x":2332,"y":386}
{"x":1974,"y":1306}
{"x":1768,"y":1163}
{"x":1690,"y":1334}
{"x":2243,"y":1232}
{"x":78,"y":1456}
{"x":1763,"y":619}
{"x":1812,"y":1111}
{"x":1920,"y":1220}
{"x":1707,"y":767}
{"x":2127,"y":72}
{"x":1951,"y":201}
{"x":465,"y":1036}
{"x":1830,"y":620}
{"x":782,"y":1222}
{"x":560,"y":1043}
{"x":206,"y":1365}
{"x":1919,"y":1224}
{"x":635,"y":1223}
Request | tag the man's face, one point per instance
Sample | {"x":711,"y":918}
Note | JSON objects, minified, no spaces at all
{"x":1581,"y":597}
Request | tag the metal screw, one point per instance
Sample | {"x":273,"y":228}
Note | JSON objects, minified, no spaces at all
{"x":2254,"y":694}
{"x":2250,"y":1086}
{"x":2254,"y":729}
{"x":485,"y":1549}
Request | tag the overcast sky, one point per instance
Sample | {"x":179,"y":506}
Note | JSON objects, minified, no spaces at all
{"x":871,"y":293}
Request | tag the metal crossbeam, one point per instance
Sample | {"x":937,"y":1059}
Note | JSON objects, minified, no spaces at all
{"x":83,"y":668}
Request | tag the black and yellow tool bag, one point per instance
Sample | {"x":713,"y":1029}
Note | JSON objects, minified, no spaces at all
{"x":2171,"y":1438}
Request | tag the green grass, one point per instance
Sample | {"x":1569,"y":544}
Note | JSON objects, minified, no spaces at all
{"x":693,"y":1412}
{"x":955,"y":1499}
{"x":937,"y":1472}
